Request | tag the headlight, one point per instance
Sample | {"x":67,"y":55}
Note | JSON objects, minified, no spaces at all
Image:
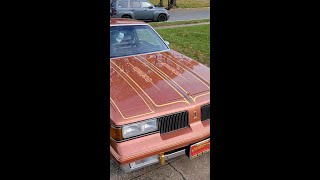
{"x":135,"y":129}
{"x":139,"y":128}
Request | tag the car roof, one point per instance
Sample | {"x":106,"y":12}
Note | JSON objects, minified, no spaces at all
{"x":125,"y":21}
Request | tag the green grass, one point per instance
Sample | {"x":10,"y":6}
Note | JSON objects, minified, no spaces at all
{"x":159,"y":24}
{"x":192,"y":41}
{"x":185,"y":3}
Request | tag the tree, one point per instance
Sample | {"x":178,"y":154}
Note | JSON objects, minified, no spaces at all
{"x":174,"y":2}
{"x":161,"y":3}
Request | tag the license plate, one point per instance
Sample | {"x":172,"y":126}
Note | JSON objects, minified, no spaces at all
{"x":199,"y":148}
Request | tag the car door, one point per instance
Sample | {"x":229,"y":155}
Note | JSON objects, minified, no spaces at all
{"x":135,"y":6}
{"x":122,"y":8}
{"x":148,"y":10}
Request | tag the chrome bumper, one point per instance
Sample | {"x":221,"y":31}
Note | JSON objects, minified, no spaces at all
{"x":175,"y":154}
{"x":127,"y":168}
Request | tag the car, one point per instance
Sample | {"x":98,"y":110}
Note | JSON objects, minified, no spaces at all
{"x":138,"y":9}
{"x":159,"y":98}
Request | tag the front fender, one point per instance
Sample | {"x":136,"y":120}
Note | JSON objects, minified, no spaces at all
{"x":156,"y":14}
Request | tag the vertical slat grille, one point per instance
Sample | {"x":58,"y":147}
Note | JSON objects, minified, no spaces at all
{"x":173,"y":122}
{"x":205,"y":112}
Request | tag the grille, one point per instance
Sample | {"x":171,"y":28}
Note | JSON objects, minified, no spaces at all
{"x":205,"y":112}
{"x":173,"y":122}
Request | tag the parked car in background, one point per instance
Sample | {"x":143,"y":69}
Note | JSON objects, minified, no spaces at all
{"x":138,"y":9}
{"x":159,"y":98}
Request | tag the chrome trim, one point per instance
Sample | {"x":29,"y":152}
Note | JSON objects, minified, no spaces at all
{"x":134,"y":137}
{"x":115,"y":127}
{"x":175,"y":154}
{"x":148,"y":164}
{"x":127,"y":168}
{"x":141,"y":54}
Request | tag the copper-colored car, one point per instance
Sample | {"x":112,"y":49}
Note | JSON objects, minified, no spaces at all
{"x":159,"y":98}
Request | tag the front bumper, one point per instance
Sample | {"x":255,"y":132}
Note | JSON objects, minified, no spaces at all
{"x":168,"y":16}
{"x":128,"y":168}
{"x":130,"y":151}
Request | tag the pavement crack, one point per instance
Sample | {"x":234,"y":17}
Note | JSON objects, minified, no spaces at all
{"x":148,"y":172}
{"x":177,"y":171}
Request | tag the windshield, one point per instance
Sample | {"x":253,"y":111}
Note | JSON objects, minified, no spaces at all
{"x":131,"y":40}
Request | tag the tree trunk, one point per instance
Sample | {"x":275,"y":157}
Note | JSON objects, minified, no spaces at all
{"x":161,"y":3}
{"x":174,"y":2}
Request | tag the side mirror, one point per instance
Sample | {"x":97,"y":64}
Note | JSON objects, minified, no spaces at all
{"x":167,"y":43}
{"x":150,"y":7}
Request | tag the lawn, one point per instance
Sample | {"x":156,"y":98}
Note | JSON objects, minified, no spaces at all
{"x":159,"y":24}
{"x":185,"y":3}
{"x":193,"y":41}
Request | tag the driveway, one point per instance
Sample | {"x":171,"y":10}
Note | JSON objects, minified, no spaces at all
{"x":189,"y":14}
{"x":178,"y":168}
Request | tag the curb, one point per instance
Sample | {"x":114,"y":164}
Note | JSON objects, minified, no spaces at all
{"x":181,"y":25}
{"x":189,"y":8}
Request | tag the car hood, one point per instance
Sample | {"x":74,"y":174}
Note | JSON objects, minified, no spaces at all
{"x":142,"y":83}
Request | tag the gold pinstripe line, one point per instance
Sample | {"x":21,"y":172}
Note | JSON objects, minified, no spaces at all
{"x":130,"y":116}
{"x":185,"y":101}
{"x":150,"y":82}
{"x":194,"y":99}
{"x":199,"y":96}
{"x":169,"y":78}
{"x":165,"y":75}
{"x":188,"y":71}
{"x":160,"y":76}
{"x":137,"y":93}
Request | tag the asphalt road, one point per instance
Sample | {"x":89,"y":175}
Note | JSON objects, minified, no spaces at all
{"x":179,"y":168}
{"x":189,"y":14}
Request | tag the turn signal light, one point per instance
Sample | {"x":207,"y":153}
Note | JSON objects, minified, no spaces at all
{"x":116,"y":133}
